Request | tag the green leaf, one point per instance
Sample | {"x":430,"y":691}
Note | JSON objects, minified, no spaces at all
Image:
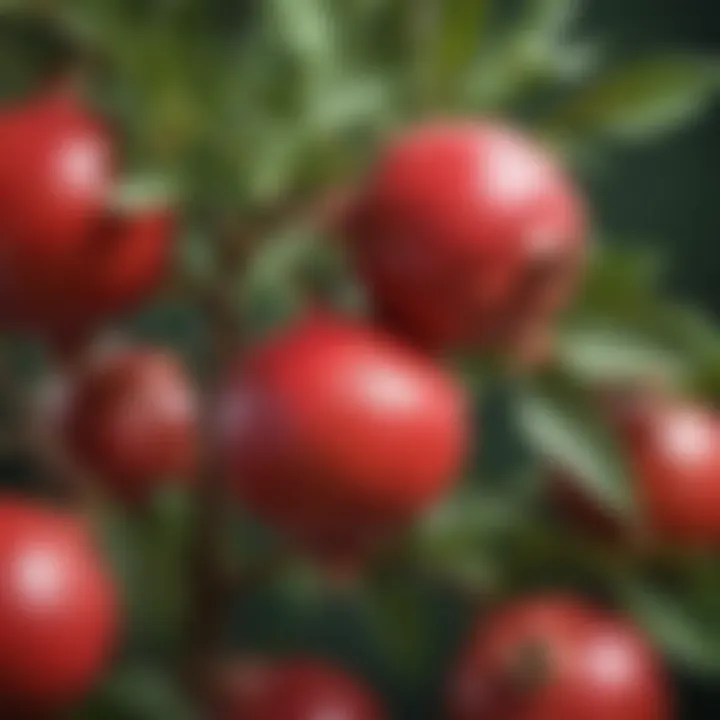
{"x":549,"y":20}
{"x":609,"y":354}
{"x":276,"y":164}
{"x":620,"y":279}
{"x":271,"y":294}
{"x":399,"y":618}
{"x":306,"y":28}
{"x":562,"y":422}
{"x":164,"y":545}
{"x":466,"y":518}
{"x":673,"y":341}
{"x":349,"y":103}
{"x":144,"y":191}
{"x":638,"y":102}
{"x":142,"y":692}
{"x":460,"y":28}
{"x":533,"y":51}
{"x":670,"y":618}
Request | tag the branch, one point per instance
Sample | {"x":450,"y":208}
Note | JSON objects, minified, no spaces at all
{"x":210,"y":579}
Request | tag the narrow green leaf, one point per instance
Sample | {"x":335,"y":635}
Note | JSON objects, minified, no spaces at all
{"x":467,"y":518}
{"x":675,"y":342}
{"x":534,"y":51}
{"x":144,"y":191}
{"x":620,"y":279}
{"x":349,"y":103}
{"x":686,"y":636}
{"x":271,"y":294}
{"x":399,"y":618}
{"x":276,"y":163}
{"x":639,"y":102}
{"x":141,"y":692}
{"x":561,"y":421}
{"x":460,"y":28}
{"x":549,"y":19}
{"x":306,"y":28}
{"x":608,"y":354}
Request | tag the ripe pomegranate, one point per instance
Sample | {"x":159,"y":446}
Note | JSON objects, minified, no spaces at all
{"x":298,"y":689}
{"x":336,"y":434}
{"x":467,"y":234}
{"x":673,"y":450}
{"x":129,"y":254}
{"x":552,"y":658}
{"x":68,"y":258}
{"x":58,"y":615}
{"x":132,"y":419}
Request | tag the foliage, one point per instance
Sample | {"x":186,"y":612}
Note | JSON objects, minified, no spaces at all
{"x":259,"y":105}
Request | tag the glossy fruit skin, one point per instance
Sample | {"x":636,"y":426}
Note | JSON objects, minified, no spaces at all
{"x":677,"y":464}
{"x":297,"y":689}
{"x":594,"y":667}
{"x":336,"y":435}
{"x":58,"y":611}
{"x":129,"y":255}
{"x":467,"y":235}
{"x":131,"y":418}
{"x":673,"y":449}
{"x":68,"y":258}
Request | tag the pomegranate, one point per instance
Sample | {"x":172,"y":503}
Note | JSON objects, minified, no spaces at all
{"x":132,"y":419}
{"x":297,"y":689}
{"x":553,"y":658}
{"x":336,"y":434}
{"x":68,"y":257}
{"x":58,"y":614}
{"x":468,"y":235}
{"x":673,"y":449}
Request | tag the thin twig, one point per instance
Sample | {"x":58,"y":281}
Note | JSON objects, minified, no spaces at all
{"x":211,"y":585}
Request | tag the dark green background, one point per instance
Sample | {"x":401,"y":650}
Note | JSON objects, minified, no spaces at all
{"x":669,"y":191}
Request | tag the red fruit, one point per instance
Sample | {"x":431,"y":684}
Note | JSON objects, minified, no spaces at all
{"x":58,"y":615}
{"x":674,"y":454}
{"x":132,"y":419}
{"x":557,"y":659}
{"x":128,"y":255}
{"x":677,"y":466}
{"x":468,"y":234}
{"x":67,"y":257}
{"x":296,"y":690}
{"x":56,"y":170}
{"x":336,"y":434}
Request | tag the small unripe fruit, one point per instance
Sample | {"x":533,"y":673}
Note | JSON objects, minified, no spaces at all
{"x":467,"y":234}
{"x":673,"y":451}
{"x":551,"y":658}
{"x":131,"y":418}
{"x":298,"y":689}
{"x":337,"y":435}
{"x":68,"y":257}
{"x":58,"y":614}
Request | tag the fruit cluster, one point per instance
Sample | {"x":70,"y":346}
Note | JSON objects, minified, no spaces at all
{"x":337,"y":432}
